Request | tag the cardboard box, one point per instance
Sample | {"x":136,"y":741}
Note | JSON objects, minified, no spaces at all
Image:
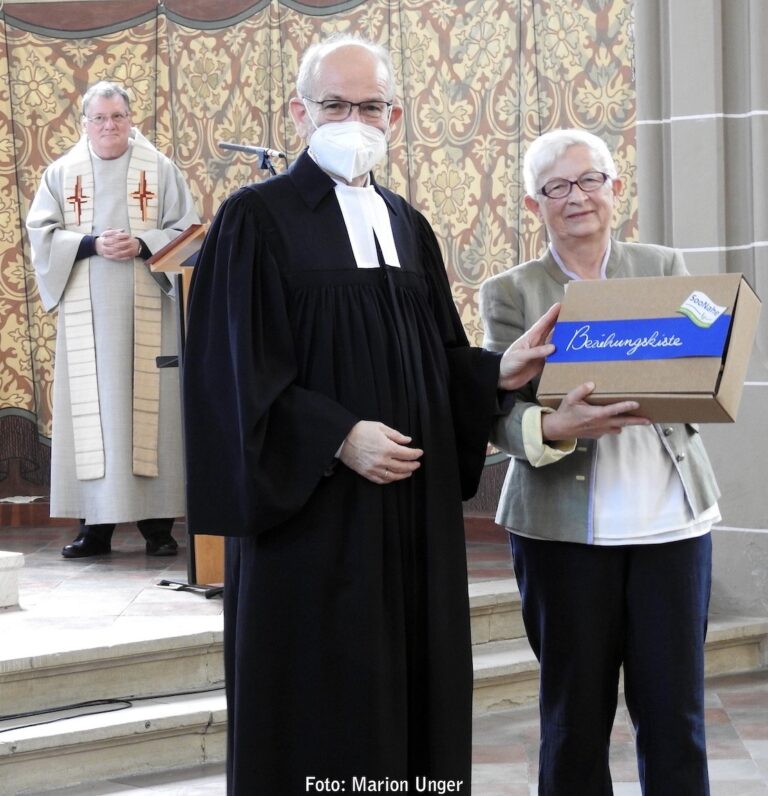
{"x":678,"y":345}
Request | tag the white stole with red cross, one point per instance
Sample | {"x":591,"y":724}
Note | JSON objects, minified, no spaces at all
{"x":142,"y":192}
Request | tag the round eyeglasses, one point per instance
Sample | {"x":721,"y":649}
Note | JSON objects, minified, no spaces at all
{"x":100,"y":119}
{"x":559,"y":187}
{"x":338,"y":110}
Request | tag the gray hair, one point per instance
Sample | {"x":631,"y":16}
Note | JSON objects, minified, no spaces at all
{"x":105,"y":89}
{"x":549,"y":147}
{"x":310,"y":62}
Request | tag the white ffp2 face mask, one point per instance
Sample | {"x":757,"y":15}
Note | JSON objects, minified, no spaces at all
{"x":348,"y":149}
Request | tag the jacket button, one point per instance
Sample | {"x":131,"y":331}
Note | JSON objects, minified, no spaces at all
{"x":680,"y":457}
{"x":668,"y":431}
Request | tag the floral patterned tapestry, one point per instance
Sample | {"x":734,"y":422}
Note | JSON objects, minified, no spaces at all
{"x":479,"y":79}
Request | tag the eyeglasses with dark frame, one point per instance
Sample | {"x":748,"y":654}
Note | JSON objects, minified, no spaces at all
{"x":100,"y":119}
{"x":336,"y":110}
{"x":559,"y":187}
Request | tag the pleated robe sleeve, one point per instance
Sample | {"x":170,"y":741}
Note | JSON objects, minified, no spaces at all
{"x":53,"y":248}
{"x":257,"y":444}
{"x":474,"y":373}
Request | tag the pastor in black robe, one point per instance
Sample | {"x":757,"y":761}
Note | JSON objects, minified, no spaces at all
{"x":347,"y":644}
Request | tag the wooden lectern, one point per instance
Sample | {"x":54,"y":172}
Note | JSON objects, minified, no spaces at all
{"x":205,"y":559}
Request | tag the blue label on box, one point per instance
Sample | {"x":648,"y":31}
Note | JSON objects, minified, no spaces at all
{"x":639,"y":338}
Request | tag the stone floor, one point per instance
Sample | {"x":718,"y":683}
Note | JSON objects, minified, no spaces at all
{"x":59,"y":596}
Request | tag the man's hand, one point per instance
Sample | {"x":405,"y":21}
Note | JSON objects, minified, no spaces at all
{"x":379,"y":453}
{"x":524,"y":359}
{"x":117,"y":244}
{"x":576,"y":418}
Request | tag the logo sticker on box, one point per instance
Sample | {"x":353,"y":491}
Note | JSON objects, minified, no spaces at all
{"x":701,"y":309}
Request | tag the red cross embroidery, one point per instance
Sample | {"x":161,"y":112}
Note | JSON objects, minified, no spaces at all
{"x":143,"y":195}
{"x":78,"y":199}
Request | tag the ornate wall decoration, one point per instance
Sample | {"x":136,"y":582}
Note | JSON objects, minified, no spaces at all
{"x":478,"y":79}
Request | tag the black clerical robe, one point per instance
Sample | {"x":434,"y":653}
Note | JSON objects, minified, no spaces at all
{"x":347,"y":640}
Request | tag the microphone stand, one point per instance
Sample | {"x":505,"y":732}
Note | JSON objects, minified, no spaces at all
{"x":266,"y":163}
{"x":265,"y":154}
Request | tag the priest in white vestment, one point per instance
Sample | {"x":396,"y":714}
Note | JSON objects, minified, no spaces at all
{"x":101,"y":210}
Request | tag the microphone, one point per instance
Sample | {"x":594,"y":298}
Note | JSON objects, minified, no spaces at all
{"x":262,"y":151}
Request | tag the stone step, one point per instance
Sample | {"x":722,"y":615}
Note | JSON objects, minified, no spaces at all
{"x":495,"y":611}
{"x":506,"y":671}
{"x":67,"y":668}
{"x":74,"y":667}
{"x":506,"y":675}
{"x":158,"y":732}
{"x":736,"y":644}
{"x":150,"y":736}
{"x":10,"y":565}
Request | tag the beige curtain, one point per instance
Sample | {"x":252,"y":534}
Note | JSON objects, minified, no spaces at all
{"x":702,"y":164}
{"x":479,"y":79}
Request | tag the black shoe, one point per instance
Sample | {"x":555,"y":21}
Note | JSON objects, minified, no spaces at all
{"x":85,"y":546}
{"x":165,"y":546}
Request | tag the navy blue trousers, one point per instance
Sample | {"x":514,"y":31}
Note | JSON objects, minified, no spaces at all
{"x":590,"y":610}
